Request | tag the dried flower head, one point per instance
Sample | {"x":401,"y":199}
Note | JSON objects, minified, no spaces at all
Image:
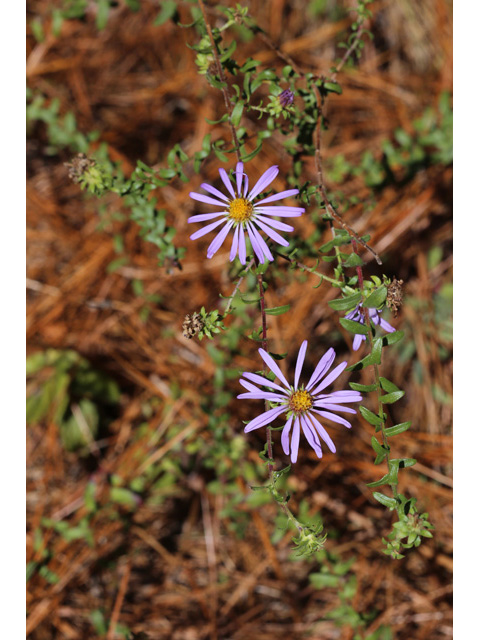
{"x":394,"y":295}
{"x":302,"y":404}
{"x":78,"y":166}
{"x":240,"y":214}
{"x":192,"y":325}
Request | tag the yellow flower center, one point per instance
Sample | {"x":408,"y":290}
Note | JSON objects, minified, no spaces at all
{"x":300,"y":401}
{"x":240,"y":210}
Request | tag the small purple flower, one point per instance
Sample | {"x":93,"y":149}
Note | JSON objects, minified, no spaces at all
{"x":300,"y":403}
{"x":239,"y":214}
{"x":374,"y":315}
{"x":286,"y":98}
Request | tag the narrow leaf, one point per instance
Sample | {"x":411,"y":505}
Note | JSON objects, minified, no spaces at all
{"x":390,"y":398}
{"x":370,"y":417}
{"x":353,"y":326}
{"x":376,"y":299}
{"x":276,"y":311}
{"x":391,"y":503}
{"x":398,"y":428}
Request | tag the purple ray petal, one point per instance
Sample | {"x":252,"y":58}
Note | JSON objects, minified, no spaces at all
{"x":333,"y":407}
{"x":281,"y":226}
{"x":331,"y":377}
{"x":263,"y":182}
{"x":334,"y":418}
{"x":264,"y":418}
{"x":201,"y":198}
{"x":207,"y":229}
{"x":242,"y":248}
{"x":272,"y":234}
{"x":245,"y":187}
{"x":300,"y":361}
{"x":249,"y":385}
{"x":263,"y":381}
{"x":386,"y":326}
{"x":263,"y":245}
{"x":226,"y":182}
{"x":341,"y":396}
{"x":357,"y":341}
{"x":205,"y":216}
{"x":278,"y":196}
{"x":322,"y":367}
{"x":285,"y":433}
{"x":239,"y":175}
{"x":214,"y":192}
{"x":312,"y":436}
{"x":323,"y":434}
{"x":218,"y":240}
{"x":280,"y":214}
{"x":233,"y":250}
{"x":255,"y":245}
{"x":295,"y":440}
{"x":275,"y":209}
{"x":262,"y":395}
{"x":273,"y":366}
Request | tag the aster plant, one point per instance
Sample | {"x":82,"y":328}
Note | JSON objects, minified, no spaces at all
{"x":301,"y":403}
{"x":240,"y":214}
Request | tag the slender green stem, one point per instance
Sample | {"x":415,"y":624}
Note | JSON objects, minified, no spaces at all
{"x":296,"y":263}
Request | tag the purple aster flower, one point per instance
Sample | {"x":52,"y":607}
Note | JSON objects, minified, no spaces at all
{"x":239,"y":214}
{"x":301,"y":403}
{"x":374,"y":315}
{"x":286,"y":98}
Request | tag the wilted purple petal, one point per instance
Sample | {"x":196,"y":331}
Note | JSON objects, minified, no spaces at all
{"x":273,"y":366}
{"x":207,"y":229}
{"x":206,"y":199}
{"x":264,"y":418}
{"x":277,"y":196}
{"x":263,"y":182}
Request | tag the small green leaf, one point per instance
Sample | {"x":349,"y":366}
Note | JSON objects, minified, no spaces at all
{"x":353,"y":260}
{"x":392,"y":338}
{"x":345,"y":304}
{"x":387,"y":385}
{"x":354,"y":327}
{"x":376,"y":298}
{"x":390,"y":398}
{"x":333,"y":87}
{"x":398,"y":428}
{"x":365,"y":388}
{"x":169,"y":9}
{"x":237,"y":113}
{"x":391,"y":503}
{"x":370,"y":417}
{"x":277,"y":311}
